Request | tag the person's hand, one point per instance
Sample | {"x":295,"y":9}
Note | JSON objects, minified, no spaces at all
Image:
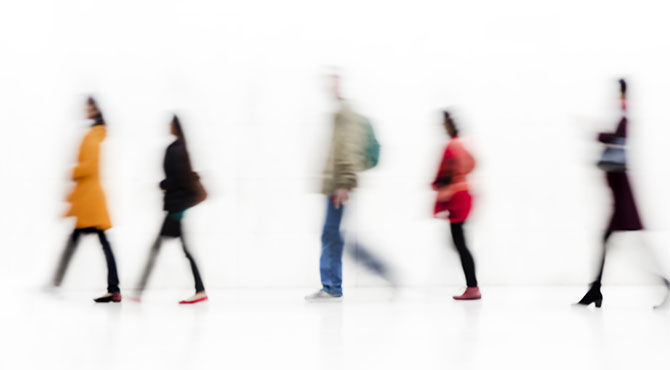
{"x":340,"y":197}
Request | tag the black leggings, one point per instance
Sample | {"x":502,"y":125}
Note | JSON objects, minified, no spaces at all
{"x":73,"y":241}
{"x":606,"y":237}
{"x":467,"y":261}
{"x":153,"y":253}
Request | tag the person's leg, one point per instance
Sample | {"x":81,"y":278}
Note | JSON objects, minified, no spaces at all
{"x":467,"y":261}
{"x":593,"y":295}
{"x":606,"y":237}
{"x":65,"y":258}
{"x":149,"y":266}
{"x":112,"y":276}
{"x":372,"y":262}
{"x":654,"y":266}
{"x":199,"y":286}
{"x":332,"y":245}
{"x":649,"y":260}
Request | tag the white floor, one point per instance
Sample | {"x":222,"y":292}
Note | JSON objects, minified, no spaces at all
{"x":515,"y":328}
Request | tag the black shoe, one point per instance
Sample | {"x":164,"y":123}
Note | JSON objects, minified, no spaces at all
{"x":114,"y":297}
{"x":592,"y":296}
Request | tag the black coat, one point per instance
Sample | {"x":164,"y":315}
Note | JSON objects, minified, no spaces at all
{"x":625,"y":215}
{"x":180,"y":180}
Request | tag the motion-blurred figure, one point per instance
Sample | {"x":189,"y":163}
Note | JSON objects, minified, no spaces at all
{"x":182,"y":190}
{"x":625,"y":216}
{"x":88,"y":204}
{"x":454,"y":200}
{"x":353,"y":148}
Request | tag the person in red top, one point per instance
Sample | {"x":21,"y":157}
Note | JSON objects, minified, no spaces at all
{"x":454,"y":200}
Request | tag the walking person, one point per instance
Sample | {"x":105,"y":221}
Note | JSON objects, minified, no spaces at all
{"x":88,"y":205}
{"x":345,"y":159}
{"x":454,"y":201}
{"x":625,"y":216}
{"x":181,"y":190}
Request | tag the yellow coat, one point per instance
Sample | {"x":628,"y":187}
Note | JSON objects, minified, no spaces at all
{"x":87,"y":199}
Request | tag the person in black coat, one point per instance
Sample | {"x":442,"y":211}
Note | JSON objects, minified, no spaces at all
{"x":182,"y":190}
{"x":625,"y":216}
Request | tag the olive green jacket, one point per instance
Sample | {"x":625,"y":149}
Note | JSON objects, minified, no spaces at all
{"x":345,"y":156}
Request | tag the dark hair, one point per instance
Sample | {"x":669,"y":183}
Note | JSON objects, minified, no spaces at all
{"x":450,"y":121}
{"x":179,"y":132}
{"x":98,"y":117}
{"x":622,"y":86}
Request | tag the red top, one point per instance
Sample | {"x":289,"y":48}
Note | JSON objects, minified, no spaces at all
{"x":451,"y":180}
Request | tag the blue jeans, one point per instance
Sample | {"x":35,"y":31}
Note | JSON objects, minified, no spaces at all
{"x":332,"y":245}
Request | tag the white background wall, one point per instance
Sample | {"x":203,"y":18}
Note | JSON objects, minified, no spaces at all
{"x":530,"y":83}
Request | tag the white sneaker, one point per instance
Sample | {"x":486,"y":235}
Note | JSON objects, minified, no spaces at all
{"x":323,"y":296}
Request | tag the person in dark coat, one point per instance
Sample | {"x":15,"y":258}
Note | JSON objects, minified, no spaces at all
{"x":625,"y":216}
{"x":182,"y":190}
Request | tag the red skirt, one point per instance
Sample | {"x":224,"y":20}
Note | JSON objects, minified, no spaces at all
{"x":456,"y":209}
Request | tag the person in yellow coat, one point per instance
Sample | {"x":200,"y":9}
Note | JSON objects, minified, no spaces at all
{"x":88,"y":205}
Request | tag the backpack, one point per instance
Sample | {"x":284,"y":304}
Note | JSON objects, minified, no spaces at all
{"x":371,"y":146}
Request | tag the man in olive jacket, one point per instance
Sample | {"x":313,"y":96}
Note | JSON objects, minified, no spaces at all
{"x":345,"y":160}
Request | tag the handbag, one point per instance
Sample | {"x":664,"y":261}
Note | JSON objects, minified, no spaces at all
{"x":613,"y":158}
{"x":199,"y":192}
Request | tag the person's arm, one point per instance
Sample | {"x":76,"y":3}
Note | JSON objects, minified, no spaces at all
{"x":612,"y":137}
{"x":88,"y":159}
{"x":167,"y":182}
{"x":345,"y":156}
{"x":347,"y":141}
{"x":184,"y":171}
{"x":177,"y":168}
{"x":607,"y":137}
{"x":443,"y":176}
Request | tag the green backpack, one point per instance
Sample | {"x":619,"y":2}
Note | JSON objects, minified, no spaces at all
{"x":371,"y":146}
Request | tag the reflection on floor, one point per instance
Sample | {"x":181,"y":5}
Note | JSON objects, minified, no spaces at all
{"x":511,"y":328}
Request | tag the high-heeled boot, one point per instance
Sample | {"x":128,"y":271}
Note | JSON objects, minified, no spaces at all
{"x":593,"y":296}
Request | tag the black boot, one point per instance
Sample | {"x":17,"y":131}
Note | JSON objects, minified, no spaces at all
{"x":593,"y":296}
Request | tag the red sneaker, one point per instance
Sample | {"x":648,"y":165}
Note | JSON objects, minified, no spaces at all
{"x":193,"y":300}
{"x":469,"y":294}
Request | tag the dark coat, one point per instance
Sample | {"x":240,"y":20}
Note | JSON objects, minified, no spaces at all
{"x":625,"y":216}
{"x":180,"y":180}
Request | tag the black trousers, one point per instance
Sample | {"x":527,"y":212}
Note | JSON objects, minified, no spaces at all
{"x":168,"y":230}
{"x":467,"y":261}
{"x":71,"y":246}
